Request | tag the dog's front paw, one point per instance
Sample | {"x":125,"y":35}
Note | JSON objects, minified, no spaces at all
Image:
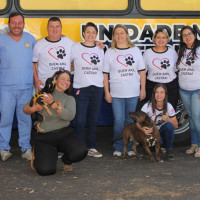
{"x":125,"y":157}
{"x":158,"y":159}
{"x":152,"y":160}
{"x":59,"y":105}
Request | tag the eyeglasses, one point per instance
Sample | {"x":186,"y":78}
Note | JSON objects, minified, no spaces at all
{"x":188,"y":35}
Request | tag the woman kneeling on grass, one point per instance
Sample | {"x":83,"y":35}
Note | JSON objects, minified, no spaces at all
{"x":56,"y":135}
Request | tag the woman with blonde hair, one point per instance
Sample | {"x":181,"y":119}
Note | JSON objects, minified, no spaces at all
{"x":124,"y":81}
{"x":160,"y":62}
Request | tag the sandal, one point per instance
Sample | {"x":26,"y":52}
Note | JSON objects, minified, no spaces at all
{"x":197,"y":155}
{"x":191,"y":151}
{"x":163,"y":150}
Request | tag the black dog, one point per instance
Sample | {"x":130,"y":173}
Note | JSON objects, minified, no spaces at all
{"x":48,"y":88}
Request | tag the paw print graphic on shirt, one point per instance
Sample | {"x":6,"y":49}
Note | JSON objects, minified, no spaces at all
{"x":61,"y":53}
{"x":129,"y":60}
{"x":164,"y":64}
{"x":190,"y":60}
{"x":94,"y":59}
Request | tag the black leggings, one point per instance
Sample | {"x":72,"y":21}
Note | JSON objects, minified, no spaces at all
{"x":47,"y":146}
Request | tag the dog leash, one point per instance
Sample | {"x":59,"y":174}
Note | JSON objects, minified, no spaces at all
{"x":160,"y":121}
{"x":139,"y":123}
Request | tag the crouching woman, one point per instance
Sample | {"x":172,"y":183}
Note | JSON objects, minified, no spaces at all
{"x":163,"y":114}
{"x":56,"y":135}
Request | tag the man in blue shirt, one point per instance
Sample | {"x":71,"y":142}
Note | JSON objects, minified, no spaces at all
{"x":16,"y":85}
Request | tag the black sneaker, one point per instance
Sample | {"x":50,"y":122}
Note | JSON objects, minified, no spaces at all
{"x":170,"y":155}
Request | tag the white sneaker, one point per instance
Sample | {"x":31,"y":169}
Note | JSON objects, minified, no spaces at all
{"x":27,"y":154}
{"x":117,"y":153}
{"x":5,"y":154}
{"x":131,"y":153}
{"x":93,"y":152}
{"x":60,"y":155}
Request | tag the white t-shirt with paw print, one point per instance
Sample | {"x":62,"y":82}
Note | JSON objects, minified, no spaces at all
{"x":161,"y":67}
{"x":189,"y":71}
{"x":157,"y":116}
{"x":88,"y":64}
{"x":124,"y":65}
{"x":52,"y":56}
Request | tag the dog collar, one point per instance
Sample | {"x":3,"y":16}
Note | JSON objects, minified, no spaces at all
{"x":139,"y":124}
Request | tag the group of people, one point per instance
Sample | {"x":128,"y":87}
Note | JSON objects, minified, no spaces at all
{"x":124,"y":74}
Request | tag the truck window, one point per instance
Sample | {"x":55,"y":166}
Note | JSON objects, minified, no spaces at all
{"x":74,"y":4}
{"x":170,"y":5}
{"x":3,"y":4}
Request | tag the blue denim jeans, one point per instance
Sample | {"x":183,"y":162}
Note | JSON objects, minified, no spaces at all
{"x":121,"y":108}
{"x":11,"y":100}
{"x":88,"y":104}
{"x":167,"y":135}
{"x":192,"y":106}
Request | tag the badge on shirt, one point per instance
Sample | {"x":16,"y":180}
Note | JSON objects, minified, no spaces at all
{"x":27,"y":45}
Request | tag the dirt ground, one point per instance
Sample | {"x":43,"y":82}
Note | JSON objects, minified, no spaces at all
{"x":106,"y":178}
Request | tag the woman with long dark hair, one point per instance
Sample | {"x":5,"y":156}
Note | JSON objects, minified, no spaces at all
{"x":163,"y":114}
{"x":56,"y":135}
{"x":188,"y":64}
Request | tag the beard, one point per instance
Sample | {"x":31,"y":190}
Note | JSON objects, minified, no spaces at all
{"x":18,"y":33}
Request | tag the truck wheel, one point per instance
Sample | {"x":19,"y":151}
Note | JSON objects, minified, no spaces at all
{"x":182,"y":133}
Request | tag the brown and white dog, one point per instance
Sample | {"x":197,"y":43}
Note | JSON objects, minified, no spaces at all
{"x":135,"y":132}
